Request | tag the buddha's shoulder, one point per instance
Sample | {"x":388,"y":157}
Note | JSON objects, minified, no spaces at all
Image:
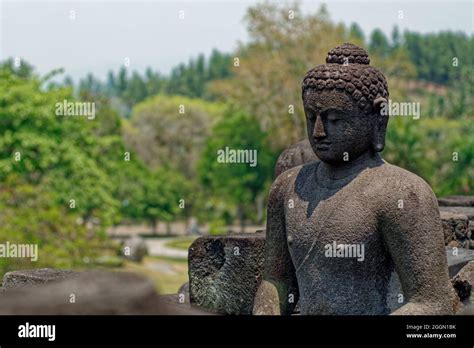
{"x":288,"y":177}
{"x":391,"y":176}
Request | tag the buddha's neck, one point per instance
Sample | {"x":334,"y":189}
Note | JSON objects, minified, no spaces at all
{"x":346,"y":169}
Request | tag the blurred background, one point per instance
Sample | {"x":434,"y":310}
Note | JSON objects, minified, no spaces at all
{"x":173,"y":83}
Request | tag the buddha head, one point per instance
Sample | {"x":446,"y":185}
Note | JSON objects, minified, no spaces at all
{"x":342,"y":101}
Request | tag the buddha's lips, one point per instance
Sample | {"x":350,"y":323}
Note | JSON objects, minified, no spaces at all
{"x":323,"y":146}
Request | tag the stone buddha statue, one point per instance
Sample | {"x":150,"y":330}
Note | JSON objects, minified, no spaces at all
{"x":293,"y":156}
{"x":340,"y":229}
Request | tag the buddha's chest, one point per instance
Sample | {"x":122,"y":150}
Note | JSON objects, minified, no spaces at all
{"x":321,"y":225}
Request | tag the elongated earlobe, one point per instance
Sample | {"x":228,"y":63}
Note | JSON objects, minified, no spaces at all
{"x":380,"y":124}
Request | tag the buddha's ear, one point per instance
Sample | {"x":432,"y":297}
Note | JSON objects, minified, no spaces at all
{"x":380,"y":123}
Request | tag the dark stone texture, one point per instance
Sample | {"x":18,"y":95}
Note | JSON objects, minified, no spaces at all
{"x":455,"y":260}
{"x":351,"y":197}
{"x":174,"y":306}
{"x":455,"y":228}
{"x":463,"y":282}
{"x":462,"y":287}
{"x":295,"y":155}
{"x":225,"y":271}
{"x":456,"y":201}
{"x":16,"y":279}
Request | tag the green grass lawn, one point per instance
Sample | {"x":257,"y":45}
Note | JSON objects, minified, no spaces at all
{"x":181,"y":243}
{"x":168,"y":274}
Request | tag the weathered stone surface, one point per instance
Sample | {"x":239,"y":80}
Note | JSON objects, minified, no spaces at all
{"x":137,"y":249}
{"x":265,"y":301}
{"x":462,"y":287}
{"x":456,"y":201}
{"x":457,"y":259}
{"x":293,"y":156}
{"x":463,"y":281}
{"x":467,"y":211}
{"x":225,"y":271}
{"x":207,"y":290}
{"x":455,"y":227}
{"x":16,"y":279}
{"x":175,"y":306}
{"x":470,"y":245}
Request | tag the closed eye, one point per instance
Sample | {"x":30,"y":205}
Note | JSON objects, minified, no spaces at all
{"x":312,"y":115}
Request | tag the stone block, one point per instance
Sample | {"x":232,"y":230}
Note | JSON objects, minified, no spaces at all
{"x":135,"y":249}
{"x":455,"y":227}
{"x":293,"y":156}
{"x":16,"y":279}
{"x":225,"y":272}
{"x":467,"y":211}
{"x":87,"y":293}
{"x":456,"y":201}
{"x":463,"y":281}
{"x":457,"y":259}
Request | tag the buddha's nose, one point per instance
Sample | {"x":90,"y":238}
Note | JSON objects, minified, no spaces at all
{"x":319,"y":129}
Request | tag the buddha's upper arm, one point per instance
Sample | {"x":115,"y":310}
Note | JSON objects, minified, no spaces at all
{"x":412,"y":232}
{"x":279,"y":269}
{"x":276,"y":250}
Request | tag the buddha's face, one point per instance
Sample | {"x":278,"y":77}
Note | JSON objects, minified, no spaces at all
{"x":338,"y":130}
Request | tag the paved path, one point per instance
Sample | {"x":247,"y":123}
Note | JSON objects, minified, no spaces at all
{"x":157,"y":247}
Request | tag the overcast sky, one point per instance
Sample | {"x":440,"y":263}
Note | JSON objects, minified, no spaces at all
{"x":103,"y":34}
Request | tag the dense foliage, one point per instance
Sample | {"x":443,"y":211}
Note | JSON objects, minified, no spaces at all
{"x":150,"y":154}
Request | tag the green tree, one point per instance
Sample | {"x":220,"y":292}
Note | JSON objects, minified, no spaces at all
{"x":22,"y":69}
{"x":267,"y":81}
{"x":239,"y":183}
{"x":356,"y":32}
{"x":163,"y":190}
{"x":29,"y":215}
{"x":53,"y":151}
{"x":171,"y":131}
{"x":444,"y":57}
{"x":396,"y":38}
{"x":378,"y":43}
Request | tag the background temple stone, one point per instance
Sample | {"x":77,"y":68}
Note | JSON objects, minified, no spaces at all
{"x":457,"y":216}
{"x":456,"y":229}
{"x":457,"y":259}
{"x":463,"y":282}
{"x":468,"y":211}
{"x":293,"y":156}
{"x":137,"y":249}
{"x":21,"y":278}
{"x":225,"y":272}
{"x":456,"y":201}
